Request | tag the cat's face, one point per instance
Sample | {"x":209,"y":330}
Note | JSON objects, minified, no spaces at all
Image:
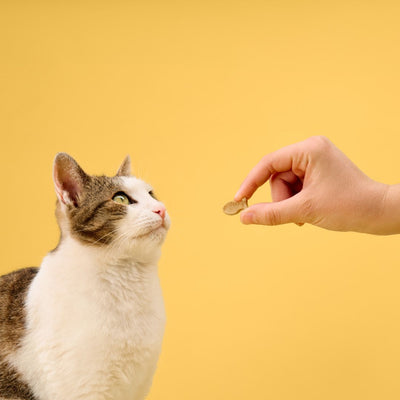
{"x":120,"y":212}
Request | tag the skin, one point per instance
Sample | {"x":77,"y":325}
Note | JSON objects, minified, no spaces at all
{"x":314,"y":182}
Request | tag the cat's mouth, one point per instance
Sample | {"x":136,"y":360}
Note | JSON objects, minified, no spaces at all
{"x":158,"y":231}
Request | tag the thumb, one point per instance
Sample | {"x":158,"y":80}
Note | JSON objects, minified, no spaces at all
{"x":275,"y":213}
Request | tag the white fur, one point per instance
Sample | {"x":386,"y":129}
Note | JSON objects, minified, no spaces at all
{"x":96,"y":315}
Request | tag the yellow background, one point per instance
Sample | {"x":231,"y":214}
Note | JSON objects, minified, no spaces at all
{"x":197,"y":92}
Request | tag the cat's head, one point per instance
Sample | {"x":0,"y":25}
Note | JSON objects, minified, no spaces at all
{"x":121,"y":212}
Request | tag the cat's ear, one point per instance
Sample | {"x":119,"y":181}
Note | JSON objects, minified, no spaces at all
{"x":69,"y":179}
{"x":125,"y":168}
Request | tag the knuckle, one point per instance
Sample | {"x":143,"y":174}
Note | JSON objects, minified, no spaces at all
{"x":319,"y":143}
{"x":317,"y":147}
{"x":265,"y":161}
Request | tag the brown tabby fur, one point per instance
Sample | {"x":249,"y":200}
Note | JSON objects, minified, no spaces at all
{"x":13,"y":289}
{"x":92,"y":216}
{"x":93,"y":222}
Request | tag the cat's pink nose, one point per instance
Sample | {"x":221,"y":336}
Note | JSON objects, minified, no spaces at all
{"x":160,"y":210}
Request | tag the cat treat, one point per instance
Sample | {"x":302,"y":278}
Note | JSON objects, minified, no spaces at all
{"x":234,"y":207}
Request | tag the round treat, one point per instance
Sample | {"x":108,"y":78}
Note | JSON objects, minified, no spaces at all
{"x":233,"y":207}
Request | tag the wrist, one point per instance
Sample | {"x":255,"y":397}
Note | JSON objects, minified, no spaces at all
{"x":388,"y":222}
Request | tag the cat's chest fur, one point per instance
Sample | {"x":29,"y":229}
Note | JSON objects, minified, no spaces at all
{"x":99,"y":321}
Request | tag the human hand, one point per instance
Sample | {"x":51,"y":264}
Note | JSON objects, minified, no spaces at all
{"x":314,"y":182}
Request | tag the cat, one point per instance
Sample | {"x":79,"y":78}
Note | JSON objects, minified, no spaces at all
{"x":88,"y":324}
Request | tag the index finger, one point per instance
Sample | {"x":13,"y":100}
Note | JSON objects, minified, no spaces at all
{"x":281,"y":160}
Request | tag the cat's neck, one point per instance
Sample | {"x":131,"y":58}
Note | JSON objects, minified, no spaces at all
{"x":93,"y":275}
{"x":72,"y":251}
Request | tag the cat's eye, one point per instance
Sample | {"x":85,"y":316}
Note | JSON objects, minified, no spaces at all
{"x":151,"y":193}
{"x":122,"y":198}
